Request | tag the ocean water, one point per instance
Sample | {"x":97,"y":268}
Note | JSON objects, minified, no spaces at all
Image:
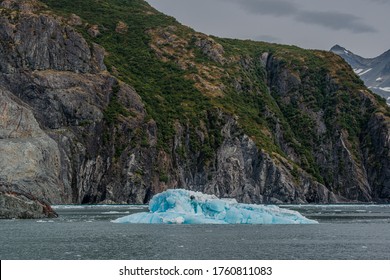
{"x":86,"y":232}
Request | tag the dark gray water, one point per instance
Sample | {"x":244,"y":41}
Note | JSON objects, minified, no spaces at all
{"x":344,"y":232}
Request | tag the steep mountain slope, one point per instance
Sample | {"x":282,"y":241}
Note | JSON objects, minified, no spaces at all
{"x":375,"y":72}
{"x":112,"y":101}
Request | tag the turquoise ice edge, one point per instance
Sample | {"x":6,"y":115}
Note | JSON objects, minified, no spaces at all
{"x":178,"y":206}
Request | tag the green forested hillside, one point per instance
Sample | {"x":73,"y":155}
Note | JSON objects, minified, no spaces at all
{"x":169,"y":95}
{"x":252,"y":120}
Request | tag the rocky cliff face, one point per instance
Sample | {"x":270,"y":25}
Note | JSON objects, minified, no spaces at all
{"x":336,"y":149}
{"x":268,"y":129}
{"x":18,"y":204}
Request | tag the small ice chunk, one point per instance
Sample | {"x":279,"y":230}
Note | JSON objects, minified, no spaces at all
{"x":187,"y":207}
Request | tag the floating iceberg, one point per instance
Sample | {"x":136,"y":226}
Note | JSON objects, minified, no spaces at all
{"x":187,"y":207}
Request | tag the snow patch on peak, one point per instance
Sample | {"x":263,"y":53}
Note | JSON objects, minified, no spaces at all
{"x":385,"y":89}
{"x":364,"y":72}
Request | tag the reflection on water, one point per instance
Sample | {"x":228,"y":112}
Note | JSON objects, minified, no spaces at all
{"x":85,"y":232}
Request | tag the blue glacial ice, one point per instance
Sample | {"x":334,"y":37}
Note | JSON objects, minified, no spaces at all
{"x":187,"y":207}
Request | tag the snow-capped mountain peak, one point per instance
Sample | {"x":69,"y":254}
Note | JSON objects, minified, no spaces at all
{"x":375,"y":72}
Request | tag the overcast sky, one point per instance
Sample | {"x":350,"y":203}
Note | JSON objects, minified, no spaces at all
{"x":361,"y":26}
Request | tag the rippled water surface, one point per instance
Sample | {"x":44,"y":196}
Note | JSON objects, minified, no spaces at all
{"x":85,"y":232}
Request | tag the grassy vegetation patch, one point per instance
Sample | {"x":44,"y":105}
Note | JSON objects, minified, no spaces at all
{"x":321,"y":85}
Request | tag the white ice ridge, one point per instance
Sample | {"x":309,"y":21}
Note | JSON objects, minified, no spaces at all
{"x":187,"y":207}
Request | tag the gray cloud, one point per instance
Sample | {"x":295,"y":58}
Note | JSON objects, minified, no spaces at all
{"x":268,"y":7}
{"x":335,"y":21}
{"x":380,"y":1}
{"x":330,"y":19}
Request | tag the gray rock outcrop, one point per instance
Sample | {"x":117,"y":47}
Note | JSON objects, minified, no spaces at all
{"x":17,"y":204}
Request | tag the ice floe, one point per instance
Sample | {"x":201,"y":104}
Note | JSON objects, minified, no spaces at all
{"x":187,"y":207}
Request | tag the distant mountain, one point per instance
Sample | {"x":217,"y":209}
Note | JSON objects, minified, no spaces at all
{"x":375,"y":72}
